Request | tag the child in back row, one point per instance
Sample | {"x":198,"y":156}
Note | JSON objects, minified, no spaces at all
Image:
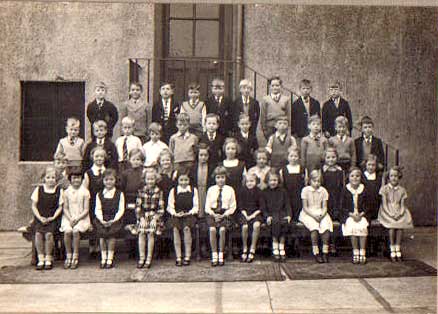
{"x":72,"y":145}
{"x":280,"y":142}
{"x":165,"y":111}
{"x":126,"y":143}
{"x":368,"y":143}
{"x":247,"y":105}
{"x":221,"y":105}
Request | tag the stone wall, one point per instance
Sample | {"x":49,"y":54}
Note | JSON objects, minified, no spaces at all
{"x":74,"y":40}
{"x":386,"y":59}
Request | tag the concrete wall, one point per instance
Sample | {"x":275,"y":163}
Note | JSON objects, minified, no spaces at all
{"x":386,"y":58}
{"x":77,"y":41}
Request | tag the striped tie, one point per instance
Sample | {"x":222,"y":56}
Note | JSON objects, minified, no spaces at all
{"x":125,"y":149}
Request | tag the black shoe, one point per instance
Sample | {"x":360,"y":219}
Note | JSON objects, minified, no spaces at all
{"x":319,"y":259}
{"x":186,"y":262}
{"x":250,"y":257}
{"x":39,"y":266}
{"x":325,"y":258}
{"x":393,"y":259}
{"x":74,"y":264}
{"x":399,"y":259}
{"x":214,"y":263}
{"x":147,"y":264}
{"x":140,"y":264}
{"x":282,"y":258}
{"x":221,"y":262}
{"x":48,"y":265}
{"x":178,"y":262}
{"x":109,"y":264}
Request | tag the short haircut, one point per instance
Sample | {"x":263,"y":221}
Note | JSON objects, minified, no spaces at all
{"x":335,"y":84}
{"x":315,"y":118}
{"x":100,"y":124}
{"x":75,"y":172}
{"x":152,"y":171}
{"x":183,"y":117}
{"x":397,"y":169}
{"x":244,"y":116}
{"x":316,"y":174}
{"x":165,"y":152}
{"x":100,"y":84}
{"x":245,"y":83}
{"x":128,"y":120}
{"x":254,"y":176}
{"x":60,"y":156}
{"x":231,"y":140}
{"x":305,"y":83}
{"x":212,"y":115}
{"x":184,"y":171}
{"x":155,"y":127}
{"x":97,"y":149}
{"x":264,"y":151}
{"x":50,"y":169}
{"x":202,"y":146}
{"x":109,"y":172}
{"x":171,"y":85}
{"x":341,"y":120}
{"x":136,"y":152}
{"x":138,"y":84}
{"x":219,"y":171}
{"x":366,"y":120}
{"x":273,"y":173}
{"x":275,"y":78}
{"x":194,"y":86}
{"x":282,"y":118}
{"x":331,"y":149}
{"x":73,"y":120}
{"x":353,"y":169}
{"x":371,"y":157}
{"x":295,"y":149}
{"x":217,"y":82}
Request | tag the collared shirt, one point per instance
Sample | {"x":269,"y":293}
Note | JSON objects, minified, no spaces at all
{"x":342,"y":138}
{"x":370,"y":176}
{"x":244,"y":135}
{"x":281,"y":138}
{"x":131,"y":143}
{"x":228,"y":199}
{"x":218,"y":99}
{"x":306,"y":102}
{"x":100,"y":141}
{"x":293,"y":168}
{"x":314,"y":197}
{"x":171,"y":202}
{"x":334,"y":168}
{"x":336,"y":101}
{"x":276,"y":97}
{"x":355,"y":193}
{"x":211,"y":136}
{"x":184,"y":136}
{"x":368,"y":140}
{"x":109,"y":194}
{"x":152,"y":151}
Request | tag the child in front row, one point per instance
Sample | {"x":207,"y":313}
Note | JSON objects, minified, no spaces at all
{"x":262,"y":167}
{"x":75,"y":217}
{"x":393,"y":213}
{"x":354,"y":220}
{"x":250,"y":206}
{"x":373,"y":182}
{"x":344,"y":144}
{"x":183,"y":208}
{"x":280,"y":142}
{"x":315,"y":217}
{"x":126,"y":142}
{"x":236,"y":169}
{"x":150,"y":209}
{"x":220,"y":205}
{"x":47,"y":201}
{"x":183,"y":143}
{"x":278,"y":213}
{"x":72,"y":145}
{"x":109,"y":210}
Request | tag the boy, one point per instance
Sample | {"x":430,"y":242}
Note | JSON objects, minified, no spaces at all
{"x":334,"y":107}
{"x":196,"y":110}
{"x":247,"y":141}
{"x":303,"y":108}
{"x":344,"y":144}
{"x":221,"y":105}
{"x":246,"y":104}
{"x":61,"y":162}
{"x":100,"y":139}
{"x":126,"y":143}
{"x":279,"y":143}
{"x":369,"y":144}
{"x":153,"y":148}
{"x":183,"y":144}
{"x":102,"y":109}
{"x":164,"y":111}
{"x":213,"y":139}
{"x":313,"y":146}
{"x":72,"y":145}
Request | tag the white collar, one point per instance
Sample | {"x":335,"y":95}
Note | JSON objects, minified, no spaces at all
{"x":357,"y":191}
{"x":394,"y":187}
{"x":209,"y":135}
{"x":342,"y":138}
{"x":100,"y":141}
{"x":244,"y":134}
{"x":96,"y":169}
{"x":185,"y":136}
{"x":179,"y":189}
{"x":370,"y":176}
{"x":315,"y":137}
{"x":327,"y":167}
{"x":245,"y":99}
{"x":315,"y":190}
{"x":368,"y":138}
{"x":280,"y":136}
{"x":108,"y":191}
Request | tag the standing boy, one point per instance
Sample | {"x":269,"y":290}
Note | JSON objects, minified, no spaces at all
{"x":367,"y":144}
{"x":213,"y":139}
{"x":126,"y":143}
{"x":165,"y":110}
{"x":247,"y":105}
{"x":221,"y":105}
{"x":72,"y":145}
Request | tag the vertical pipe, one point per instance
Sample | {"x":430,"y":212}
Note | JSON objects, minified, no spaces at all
{"x":397,"y":157}
{"x":184,"y":77}
{"x":255,"y":84}
{"x":267,"y":87}
{"x":386,"y":156}
{"x":149,"y":80}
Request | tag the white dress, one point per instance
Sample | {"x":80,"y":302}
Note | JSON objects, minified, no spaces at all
{"x":314,"y":200}
{"x":74,"y":201}
{"x":351,"y":227}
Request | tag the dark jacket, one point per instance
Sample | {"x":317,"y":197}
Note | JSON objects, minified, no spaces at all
{"x":299,"y":116}
{"x":330,"y":113}
{"x":376,"y":149}
{"x":169,"y":126}
{"x":111,"y":155}
{"x":224,"y":110}
{"x":107,"y":113}
{"x":215,"y":148}
{"x":253,"y":112}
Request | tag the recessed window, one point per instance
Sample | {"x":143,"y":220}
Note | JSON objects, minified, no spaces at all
{"x":45,"y":107}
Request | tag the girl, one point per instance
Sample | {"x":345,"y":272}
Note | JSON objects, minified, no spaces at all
{"x":235,"y":168}
{"x":75,"y":217}
{"x":47,"y":201}
{"x":354,"y":221}
{"x":315,"y":217}
{"x":220,"y":205}
{"x":278,"y":212}
{"x":393,"y":213}
{"x":138,"y":110}
{"x":373,"y":183}
{"x":273,"y":106}
{"x":249,"y":204}
{"x":109,"y":210}
{"x":150,"y":208}
{"x":93,"y":182}
{"x":261,"y":169}
{"x":293,"y":176}
{"x":333,"y":181}
{"x":201,"y":175}
{"x":131,"y":181}
{"x":166,"y":181}
{"x":183,"y":206}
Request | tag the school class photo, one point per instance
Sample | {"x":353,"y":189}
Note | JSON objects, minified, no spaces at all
{"x":201,"y":147}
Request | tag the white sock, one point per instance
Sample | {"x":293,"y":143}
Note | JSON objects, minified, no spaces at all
{"x":355,"y":252}
{"x":397,"y":248}
{"x":315,"y":250}
{"x":48,"y":258}
{"x":362,"y":252}
{"x":392,"y":248}
{"x":281,"y":246}
{"x":68,"y":257}
{"x":214,"y":256}
{"x":40,"y":259}
{"x":221,"y":256}
{"x":110,"y":255}
{"x":104,"y":255}
{"x":325,"y":248}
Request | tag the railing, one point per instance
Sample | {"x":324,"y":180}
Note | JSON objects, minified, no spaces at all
{"x":232,"y":71}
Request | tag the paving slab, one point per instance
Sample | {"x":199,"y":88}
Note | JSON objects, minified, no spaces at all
{"x":245,"y":297}
{"x":310,"y":295}
{"x":407,"y":292}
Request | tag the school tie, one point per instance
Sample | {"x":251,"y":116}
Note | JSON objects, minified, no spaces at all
{"x":100,"y":104}
{"x":219,"y":200}
{"x":125,"y":149}
{"x":246,"y":105}
{"x":100,"y":142}
{"x":100,"y":172}
{"x":72,"y":142}
{"x":166,"y":110}
{"x":210,"y":137}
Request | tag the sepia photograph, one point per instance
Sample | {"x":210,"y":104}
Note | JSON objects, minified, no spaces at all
{"x":200,"y":157}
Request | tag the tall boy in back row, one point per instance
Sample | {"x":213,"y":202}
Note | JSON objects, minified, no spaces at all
{"x":367,"y":144}
{"x":165,"y":110}
{"x":222,"y":106}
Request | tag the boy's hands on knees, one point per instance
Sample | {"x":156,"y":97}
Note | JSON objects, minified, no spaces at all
{"x":142,"y":222}
{"x":269,"y":220}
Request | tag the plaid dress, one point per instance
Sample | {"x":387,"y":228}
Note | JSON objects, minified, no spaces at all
{"x":150,"y":202}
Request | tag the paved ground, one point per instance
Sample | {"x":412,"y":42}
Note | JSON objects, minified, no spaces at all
{"x":410,"y":295}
